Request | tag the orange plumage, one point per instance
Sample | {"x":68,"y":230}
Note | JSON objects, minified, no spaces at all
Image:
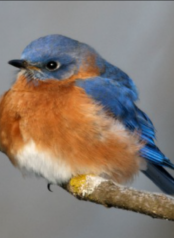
{"x":67,"y":125}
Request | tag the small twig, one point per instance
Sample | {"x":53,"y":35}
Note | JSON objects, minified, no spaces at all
{"x":105,"y":192}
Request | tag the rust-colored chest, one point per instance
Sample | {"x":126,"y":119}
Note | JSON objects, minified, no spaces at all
{"x":52,"y":114}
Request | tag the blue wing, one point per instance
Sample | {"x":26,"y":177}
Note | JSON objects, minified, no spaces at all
{"x":118,"y":96}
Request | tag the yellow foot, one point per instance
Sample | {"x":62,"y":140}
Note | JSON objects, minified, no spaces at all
{"x":84,"y":184}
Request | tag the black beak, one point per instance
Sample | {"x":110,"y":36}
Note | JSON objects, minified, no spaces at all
{"x":18,"y":63}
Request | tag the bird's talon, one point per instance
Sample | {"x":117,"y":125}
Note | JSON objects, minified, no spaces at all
{"x":49,"y":186}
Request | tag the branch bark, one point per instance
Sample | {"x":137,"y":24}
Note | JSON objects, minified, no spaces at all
{"x":105,"y":192}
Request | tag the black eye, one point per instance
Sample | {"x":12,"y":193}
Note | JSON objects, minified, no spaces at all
{"x":52,"y":65}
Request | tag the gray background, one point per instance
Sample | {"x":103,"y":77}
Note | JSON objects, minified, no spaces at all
{"x":139,"y":38}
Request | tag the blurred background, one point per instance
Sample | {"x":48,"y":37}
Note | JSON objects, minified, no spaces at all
{"x":136,"y":36}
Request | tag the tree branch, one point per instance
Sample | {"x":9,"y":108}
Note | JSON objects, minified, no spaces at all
{"x":105,"y":192}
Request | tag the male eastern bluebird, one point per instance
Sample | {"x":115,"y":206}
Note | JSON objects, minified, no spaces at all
{"x":70,"y":112}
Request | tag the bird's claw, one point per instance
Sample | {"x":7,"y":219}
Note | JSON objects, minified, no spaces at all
{"x":49,"y":186}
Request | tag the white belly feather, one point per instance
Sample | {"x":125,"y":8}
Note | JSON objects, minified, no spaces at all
{"x":55,"y":170}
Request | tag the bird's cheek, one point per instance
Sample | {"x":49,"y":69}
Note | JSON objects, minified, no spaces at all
{"x":38,"y":74}
{"x":65,"y":74}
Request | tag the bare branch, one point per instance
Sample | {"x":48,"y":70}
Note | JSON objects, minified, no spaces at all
{"x":105,"y":192}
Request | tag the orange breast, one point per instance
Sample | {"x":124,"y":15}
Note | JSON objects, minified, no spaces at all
{"x":60,"y":118}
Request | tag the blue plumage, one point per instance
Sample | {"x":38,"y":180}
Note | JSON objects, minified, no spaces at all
{"x":118,"y":97}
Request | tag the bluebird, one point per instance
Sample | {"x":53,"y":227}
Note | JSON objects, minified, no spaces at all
{"x":70,"y":112}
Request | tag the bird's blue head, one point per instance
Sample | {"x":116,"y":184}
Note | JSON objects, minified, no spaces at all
{"x":57,"y":57}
